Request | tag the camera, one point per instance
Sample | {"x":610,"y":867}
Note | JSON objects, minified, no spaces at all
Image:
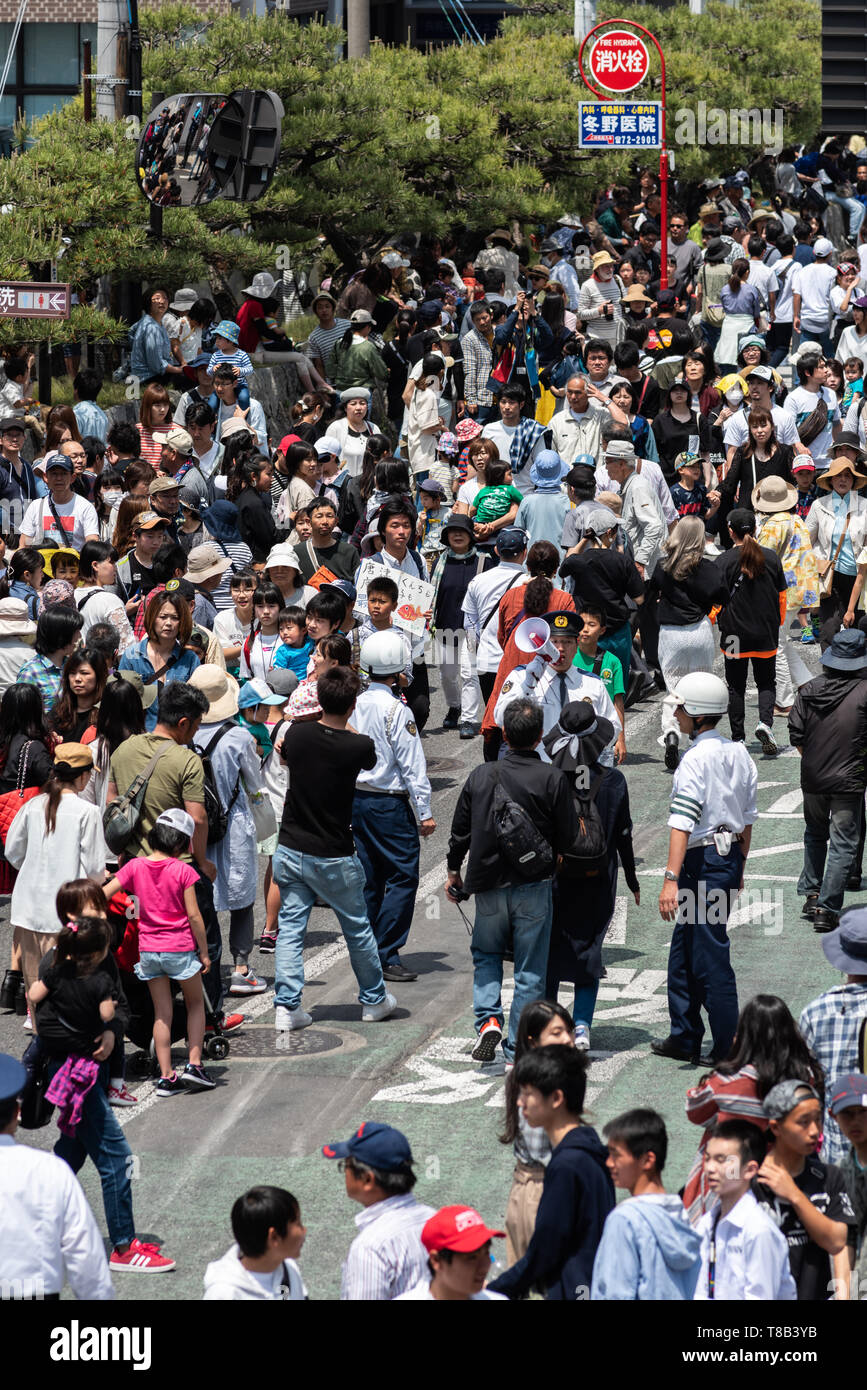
{"x":457,"y":894}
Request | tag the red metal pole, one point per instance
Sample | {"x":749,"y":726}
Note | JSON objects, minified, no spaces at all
{"x":663,"y":155}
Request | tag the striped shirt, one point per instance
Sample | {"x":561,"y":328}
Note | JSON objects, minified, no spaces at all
{"x":242,"y":558}
{"x":322,"y":340}
{"x":238,"y":358}
{"x":387,"y":1257}
{"x":830,"y":1026}
{"x":717,"y":1098}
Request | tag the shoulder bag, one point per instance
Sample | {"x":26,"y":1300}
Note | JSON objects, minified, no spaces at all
{"x":826,"y":567}
{"x":122,"y":818}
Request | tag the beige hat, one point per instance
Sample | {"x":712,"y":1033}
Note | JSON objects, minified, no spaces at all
{"x":146,"y":693}
{"x":204,"y":561}
{"x":14,"y":620}
{"x":219,"y":689}
{"x":162,"y":484}
{"x":773,"y":494}
{"x":835,"y":467}
{"x":177,"y":439}
{"x":709,"y":210}
{"x":234,"y":425}
{"x":635,"y":295}
{"x":602,"y":258}
{"x":78,"y":756}
{"x":283,"y":554}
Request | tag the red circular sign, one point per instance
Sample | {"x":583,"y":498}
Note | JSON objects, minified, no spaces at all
{"x":619,"y":61}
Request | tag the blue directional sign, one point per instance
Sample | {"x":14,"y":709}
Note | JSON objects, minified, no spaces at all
{"x":620,"y":125}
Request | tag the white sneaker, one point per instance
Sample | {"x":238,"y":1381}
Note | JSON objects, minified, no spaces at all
{"x":375,"y":1013}
{"x":767,"y":740}
{"x":582,"y":1037}
{"x":27,"y":1025}
{"x":287,"y":1019}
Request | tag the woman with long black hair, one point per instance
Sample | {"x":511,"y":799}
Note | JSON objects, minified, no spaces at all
{"x":81,"y":687}
{"x":250,"y":489}
{"x":767,"y":1048}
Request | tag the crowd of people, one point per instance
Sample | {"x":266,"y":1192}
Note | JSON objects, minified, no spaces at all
{"x":566,"y":486}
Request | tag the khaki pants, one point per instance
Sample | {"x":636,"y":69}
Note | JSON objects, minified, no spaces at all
{"x":524,"y":1199}
{"x":33,"y":945}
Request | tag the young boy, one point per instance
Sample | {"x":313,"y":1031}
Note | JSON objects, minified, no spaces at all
{"x":804,"y":1196}
{"x":605,"y":665}
{"x":458,"y":1245}
{"x":233,"y":624}
{"x":61,"y":564}
{"x":296,"y":646}
{"x":228,"y":353}
{"x":577,"y":1193}
{"x":648,"y":1249}
{"x":432,"y":496}
{"x":804,"y":474}
{"x":323,"y":615}
{"x":743,"y":1254}
{"x":498,"y":500}
{"x":269,"y":1236}
{"x":848,"y":1104}
{"x":381,"y":604}
{"x":853,"y":373}
{"x":206,"y":565}
{"x":689,"y":495}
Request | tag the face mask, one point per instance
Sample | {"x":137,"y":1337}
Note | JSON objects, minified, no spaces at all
{"x":111,"y":497}
{"x":734,"y":397}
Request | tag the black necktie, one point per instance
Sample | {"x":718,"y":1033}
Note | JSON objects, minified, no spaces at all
{"x":564,"y":690}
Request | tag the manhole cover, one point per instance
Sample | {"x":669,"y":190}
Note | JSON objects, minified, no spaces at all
{"x":266,"y":1042}
{"x":444,"y":764}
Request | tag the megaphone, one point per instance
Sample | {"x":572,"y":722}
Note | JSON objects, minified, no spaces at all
{"x":534,"y":635}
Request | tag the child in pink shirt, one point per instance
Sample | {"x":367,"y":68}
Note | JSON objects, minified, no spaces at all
{"x":171,"y":931}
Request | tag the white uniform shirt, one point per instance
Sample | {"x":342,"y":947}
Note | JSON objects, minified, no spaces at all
{"x":400,"y":761}
{"x":47,"y":1231}
{"x":715,"y":784}
{"x":752,"y":1255}
{"x":540,"y":682}
{"x":736,"y":430}
{"x":480,"y":605}
{"x":387,"y":1257}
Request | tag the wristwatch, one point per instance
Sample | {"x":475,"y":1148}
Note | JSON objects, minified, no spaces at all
{"x":672,"y":878}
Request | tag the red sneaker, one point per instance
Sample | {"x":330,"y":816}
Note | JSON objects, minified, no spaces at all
{"x":141,"y":1258}
{"x":231,"y":1023}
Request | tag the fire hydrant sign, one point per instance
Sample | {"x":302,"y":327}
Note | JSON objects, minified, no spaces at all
{"x":620,"y":125}
{"x":619,"y":61}
{"x":32,"y":299}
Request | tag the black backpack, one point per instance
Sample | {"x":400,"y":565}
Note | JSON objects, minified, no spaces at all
{"x":518,"y":840}
{"x":217,"y":814}
{"x":588,"y":853}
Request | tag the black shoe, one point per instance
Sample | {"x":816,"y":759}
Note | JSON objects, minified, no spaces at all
{"x":21,"y":1004}
{"x":452,"y":718}
{"x":672,"y":751}
{"x":853,"y":883}
{"x":810,"y":903}
{"x":667,"y":1047}
{"x":9,"y":989}
{"x":825,"y":920}
{"x":399,"y":973}
{"x":468,"y":731}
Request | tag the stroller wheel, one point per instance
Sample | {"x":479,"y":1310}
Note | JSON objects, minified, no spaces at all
{"x":217,"y":1048}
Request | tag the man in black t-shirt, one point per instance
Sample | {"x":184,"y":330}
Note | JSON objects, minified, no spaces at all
{"x":806,"y":1198}
{"x":324,"y":547}
{"x":316,"y":855}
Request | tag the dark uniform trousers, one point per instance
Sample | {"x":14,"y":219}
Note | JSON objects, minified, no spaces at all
{"x":387,"y":843}
{"x":699,"y":969}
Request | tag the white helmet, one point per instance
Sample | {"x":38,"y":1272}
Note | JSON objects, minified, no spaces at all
{"x":383,"y":654}
{"x":701,"y":693}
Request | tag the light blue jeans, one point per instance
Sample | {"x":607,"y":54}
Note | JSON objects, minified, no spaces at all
{"x":855,"y":209}
{"x":302,"y":878}
{"x":516,"y":916}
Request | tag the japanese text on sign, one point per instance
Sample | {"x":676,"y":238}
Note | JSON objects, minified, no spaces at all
{"x":621,"y":125}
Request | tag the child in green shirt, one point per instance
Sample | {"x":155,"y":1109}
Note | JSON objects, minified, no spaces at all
{"x":497,"y":502}
{"x":605,"y":665}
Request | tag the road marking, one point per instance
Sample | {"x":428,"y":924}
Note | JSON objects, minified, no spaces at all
{"x":776,"y":849}
{"x":616,"y":933}
{"x":789,"y":801}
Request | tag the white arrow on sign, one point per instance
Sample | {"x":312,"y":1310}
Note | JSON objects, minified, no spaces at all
{"x":57,"y":301}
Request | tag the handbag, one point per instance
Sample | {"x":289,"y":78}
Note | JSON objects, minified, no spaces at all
{"x":826,"y":567}
{"x":36,"y":1111}
{"x":11,"y":802}
{"x":263,"y":813}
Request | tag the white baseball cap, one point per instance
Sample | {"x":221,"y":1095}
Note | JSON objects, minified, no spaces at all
{"x":823,"y":247}
{"x":178,"y":820}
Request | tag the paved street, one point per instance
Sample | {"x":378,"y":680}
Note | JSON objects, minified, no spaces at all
{"x":281,"y":1098}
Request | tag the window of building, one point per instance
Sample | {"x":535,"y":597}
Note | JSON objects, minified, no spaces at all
{"x":46,"y":68}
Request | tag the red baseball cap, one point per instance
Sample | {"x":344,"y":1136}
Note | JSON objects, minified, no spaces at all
{"x":456,"y":1228}
{"x":289,"y":439}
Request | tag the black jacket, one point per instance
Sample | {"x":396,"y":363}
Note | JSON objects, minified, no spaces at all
{"x":828,"y":723}
{"x":256,"y":523}
{"x":540,"y":789}
{"x":577,"y":1196}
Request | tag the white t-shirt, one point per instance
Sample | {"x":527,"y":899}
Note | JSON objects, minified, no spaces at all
{"x":77,"y":516}
{"x":736,"y":429}
{"x":263,"y":649}
{"x":103,"y":607}
{"x":784,"y":270}
{"x":422,"y":1292}
{"x":467,"y":491}
{"x":764,"y":280}
{"x":229,"y":628}
{"x":813,"y":283}
{"x":801,"y":403}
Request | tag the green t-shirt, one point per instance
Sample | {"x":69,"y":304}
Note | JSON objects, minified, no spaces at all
{"x":610,"y":672}
{"x":494,"y":502}
{"x":177,"y":777}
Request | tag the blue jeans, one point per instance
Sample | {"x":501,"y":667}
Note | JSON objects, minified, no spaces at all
{"x":855,"y":209}
{"x":242,"y":398}
{"x":518,"y":915}
{"x":831,"y":833}
{"x":387,"y":843}
{"x":302,"y":878}
{"x":700,"y":973}
{"x":100,"y":1138}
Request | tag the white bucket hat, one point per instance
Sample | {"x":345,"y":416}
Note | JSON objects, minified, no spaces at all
{"x":263,"y":286}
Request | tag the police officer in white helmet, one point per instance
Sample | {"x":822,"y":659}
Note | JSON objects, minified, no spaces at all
{"x":392,"y":806}
{"x":713,"y":808}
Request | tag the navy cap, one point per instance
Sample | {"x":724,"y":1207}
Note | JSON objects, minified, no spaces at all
{"x":343,"y":586}
{"x":563,"y":623}
{"x":848,"y":1091}
{"x":56,"y":460}
{"x":13,"y":1077}
{"x":511,"y":540}
{"x":377,"y":1146}
{"x":201,"y":361}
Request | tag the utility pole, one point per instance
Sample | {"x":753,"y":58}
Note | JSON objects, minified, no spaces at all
{"x":696,"y":6}
{"x":358,"y":28}
{"x":109,"y":22}
{"x":585,"y":18}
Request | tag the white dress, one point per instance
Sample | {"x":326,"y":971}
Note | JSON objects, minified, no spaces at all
{"x":44,"y":860}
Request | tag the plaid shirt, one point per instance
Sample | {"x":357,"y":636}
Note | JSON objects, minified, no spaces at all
{"x":41,"y":672}
{"x":830,"y":1027}
{"x":69,"y":1088}
{"x":531,"y":1145}
{"x":478,"y":360}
